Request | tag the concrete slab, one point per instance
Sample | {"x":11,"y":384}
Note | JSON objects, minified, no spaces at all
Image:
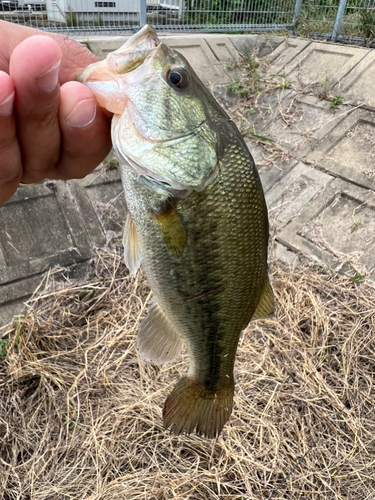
{"x":337,"y":228}
{"x":101,"y":201}
{"x":285,"y":53}
{"x":348,"y":151}
{"x":207,"y":60}
{"x":265,"y":109}
{"x":292,"y":194}
{"x":358,"y":85}
{"x":258,"y":45}
{"x":201,"y":56}
{"x":55,"y":225}
{"x":323,"y":65}
{"x":270,"y":171}
{"x":300,"y":121}
{"x":223,"y":49}
{"x":41,"y":228}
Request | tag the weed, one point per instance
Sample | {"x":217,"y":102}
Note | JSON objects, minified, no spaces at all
{"x":336,"y":101}
{"x":232,"y":65}
{"x":252,"y":132}
{"x":358,"y":278}
{"x":321,"y":90}
{"x":250,"y":83}
{"x":284,"y":84}
{"x":111,"y":163}
{"x":367,"y":23}
{"x":4,"y":343}
{"x":355,"y":226}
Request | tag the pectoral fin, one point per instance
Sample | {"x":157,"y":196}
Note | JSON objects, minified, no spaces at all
{"x":171,"y":227}
{"x":157,"y":339}
{"x":132,"y":253}
{"x":266,"y":304}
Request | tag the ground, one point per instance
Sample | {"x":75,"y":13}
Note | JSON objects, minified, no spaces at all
{"x":80,"y":412}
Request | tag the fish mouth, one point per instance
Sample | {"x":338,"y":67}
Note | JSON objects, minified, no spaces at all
{"x":102,"y":75}
{"x":134,"y":51}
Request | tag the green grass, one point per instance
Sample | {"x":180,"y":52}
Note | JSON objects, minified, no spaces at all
{"x":4,"y":343}
{"x":336,"y":101}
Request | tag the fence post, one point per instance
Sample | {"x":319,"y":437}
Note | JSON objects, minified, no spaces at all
{"x":142,"y":13}
{"x":297,"y":12}
{"x":340,"y":15}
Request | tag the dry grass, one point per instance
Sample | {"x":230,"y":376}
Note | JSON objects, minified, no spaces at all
{"x":80,"y":413}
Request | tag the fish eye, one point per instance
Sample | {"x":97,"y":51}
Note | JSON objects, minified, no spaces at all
{"x":178,"y":78}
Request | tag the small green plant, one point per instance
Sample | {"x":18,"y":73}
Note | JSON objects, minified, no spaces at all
{"x":232,"y":65}
{"x":356,"y":224}
{"x":252,"y":132}
{"x":236,"y":86}
{"x":321,"y":89}
{"x":110,"y":163}
{"x":249,"y":84}
{"x":4,"y":343}
{"x":336,"y":101}
{"x":284,"y":84}
{"x":357,"y":278}
{"x":250,"y":111}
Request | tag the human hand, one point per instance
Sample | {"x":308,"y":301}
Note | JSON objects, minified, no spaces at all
{"x":50,"y":125}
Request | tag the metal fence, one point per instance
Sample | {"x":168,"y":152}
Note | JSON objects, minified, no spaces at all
{"x":342,"y":20}
{"x":337,"y":20}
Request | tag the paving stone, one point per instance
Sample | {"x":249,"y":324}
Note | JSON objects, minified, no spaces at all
{"x":41,"y":228}
{"x":267,"y":108}
{"x":258,"y":45}
{"x":13,"y":295}
{"x":270,"y":172}
{"x":284,"y":254}
{"x":285,"y":53}
{"x":323,"y":65}
{"x":291,"y":195}
{"x":202,"y":58}
{"x":337,"y":228}
{"x":358,"y":85}
{"x":223,"y":49}
{"x":101,"y":202}
{"x":300,"y":121}
{"x":348,"y":151}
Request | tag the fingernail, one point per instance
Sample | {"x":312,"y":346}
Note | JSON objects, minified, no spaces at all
{"x":48,"y":81}
{"x":83,"y":114}
{"x":6,"y":107}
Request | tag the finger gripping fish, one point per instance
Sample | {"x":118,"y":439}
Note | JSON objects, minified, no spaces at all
{"x":197,"y":222}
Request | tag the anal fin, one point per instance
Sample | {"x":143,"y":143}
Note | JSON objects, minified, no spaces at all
{"x":157,"y":339}
{"x":266,"y":304}
{"x":132,"y":253}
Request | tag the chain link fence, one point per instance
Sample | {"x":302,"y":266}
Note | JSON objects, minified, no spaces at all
{"x":342,"y":20}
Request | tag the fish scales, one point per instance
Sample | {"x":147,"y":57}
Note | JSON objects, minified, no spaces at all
{"x":201,"y":233}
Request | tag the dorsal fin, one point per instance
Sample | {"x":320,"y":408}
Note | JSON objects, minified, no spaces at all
{"x":132,"y":253}
{"x":157,"y":339}
{"x":266,"y":304}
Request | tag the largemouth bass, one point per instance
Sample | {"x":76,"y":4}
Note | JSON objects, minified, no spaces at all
{"x":197,"y":222}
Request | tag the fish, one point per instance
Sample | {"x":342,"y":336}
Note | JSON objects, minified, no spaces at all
{"x":197,"y":222}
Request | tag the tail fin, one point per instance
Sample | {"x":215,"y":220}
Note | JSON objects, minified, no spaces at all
{"x":191,"y":406}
